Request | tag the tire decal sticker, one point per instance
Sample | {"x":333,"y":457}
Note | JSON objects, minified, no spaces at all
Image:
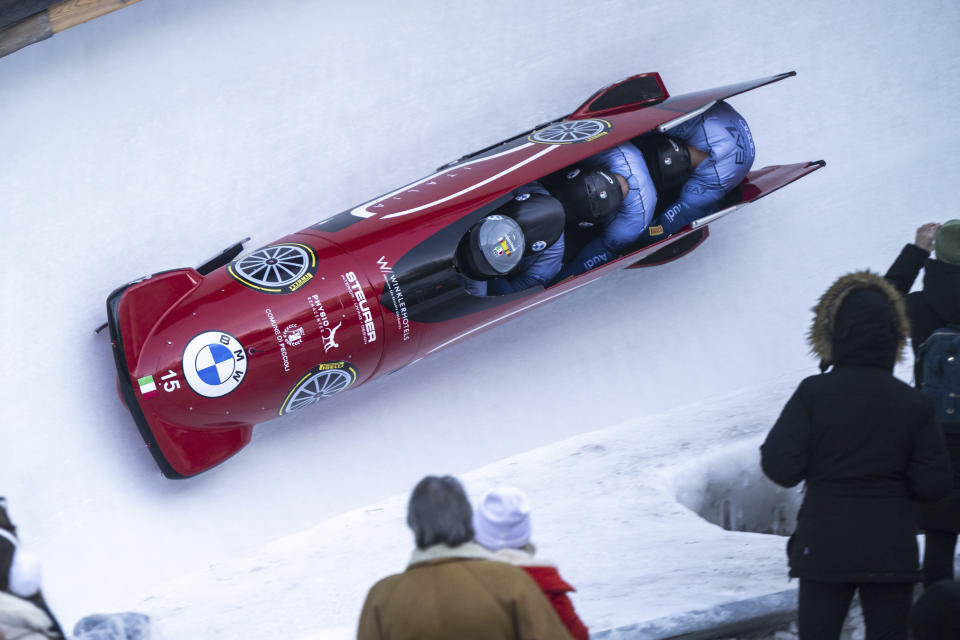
{"x":277,"y":268}
{"x":322,"y":381}
{"x":571,"y":131}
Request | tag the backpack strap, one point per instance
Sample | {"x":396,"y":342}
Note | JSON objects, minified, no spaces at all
{"x":947,"y":328}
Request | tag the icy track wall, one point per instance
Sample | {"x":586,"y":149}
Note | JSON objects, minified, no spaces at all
{"x":728,"y":488}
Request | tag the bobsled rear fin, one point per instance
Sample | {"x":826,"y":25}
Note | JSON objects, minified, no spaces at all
{"x":640,"y":90}
{"x":690,"y":101}
{"x":768,"y":179}
{"x":757,"y":184}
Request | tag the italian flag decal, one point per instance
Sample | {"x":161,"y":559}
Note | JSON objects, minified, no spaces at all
{"x":148,"y":388}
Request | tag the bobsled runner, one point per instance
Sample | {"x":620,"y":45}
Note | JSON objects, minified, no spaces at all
{"x":205,"y":354}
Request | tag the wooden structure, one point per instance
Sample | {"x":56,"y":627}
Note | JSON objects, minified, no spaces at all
{"x":25,"y":22}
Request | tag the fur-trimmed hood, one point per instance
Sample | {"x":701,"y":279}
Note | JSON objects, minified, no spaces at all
{"x":875,"y":324}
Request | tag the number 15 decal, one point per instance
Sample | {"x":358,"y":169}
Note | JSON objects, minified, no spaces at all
{"x":170,"y":382}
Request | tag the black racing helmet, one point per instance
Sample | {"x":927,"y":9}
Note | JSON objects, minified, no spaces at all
{"x":668,"y":160}
{"x":493,"y":247}
{"x":589,"y":196}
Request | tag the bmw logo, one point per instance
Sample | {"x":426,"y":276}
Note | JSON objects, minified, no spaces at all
{"x":214,"y":364}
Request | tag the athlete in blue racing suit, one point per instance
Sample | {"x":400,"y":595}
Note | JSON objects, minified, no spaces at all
{"x":631,"y":219}
{"x":537,"y":232}
{"x":723,"y":135}
{"x":536,"y":268}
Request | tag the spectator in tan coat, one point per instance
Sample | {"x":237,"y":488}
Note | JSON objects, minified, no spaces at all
{"x":452,"y":588}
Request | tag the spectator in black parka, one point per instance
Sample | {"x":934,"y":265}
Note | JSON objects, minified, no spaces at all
{"x":938,"y":303}
{"x":867,"y":445}
{"x":931,"y":308}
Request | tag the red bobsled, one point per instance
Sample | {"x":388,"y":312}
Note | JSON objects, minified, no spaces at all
{"x":204,"y":354}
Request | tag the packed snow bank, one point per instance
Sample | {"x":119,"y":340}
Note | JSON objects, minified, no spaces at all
{"x":605,"y":510}
{"x":728,"y":488}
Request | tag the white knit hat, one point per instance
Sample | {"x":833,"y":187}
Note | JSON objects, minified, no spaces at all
{"x":502,"y":519}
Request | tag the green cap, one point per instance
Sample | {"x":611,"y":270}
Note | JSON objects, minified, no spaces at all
{"x":946,"y":244}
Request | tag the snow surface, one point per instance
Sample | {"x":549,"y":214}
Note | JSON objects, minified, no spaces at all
{"x":153,"y":137}
{"x":604,"y":509}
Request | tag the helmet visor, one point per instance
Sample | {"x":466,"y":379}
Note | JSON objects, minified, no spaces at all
{"x":500,"y":240}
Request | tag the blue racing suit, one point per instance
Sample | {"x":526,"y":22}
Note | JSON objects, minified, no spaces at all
{"x":534,"y":269}
{"x":631,"y":219}
{"x":722,"y":133}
